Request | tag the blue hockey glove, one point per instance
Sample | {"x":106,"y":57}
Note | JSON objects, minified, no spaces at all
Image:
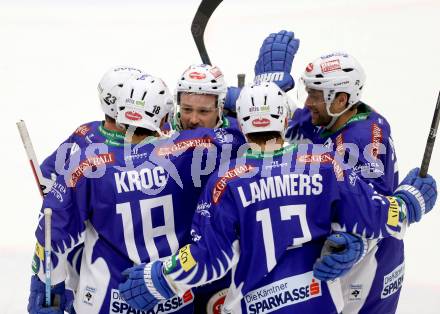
{"x":36,"y":303}
{"x":145,"y":286}
{"x":340,"y":252}
{"x":275,"y":60}
{"x":231,"y":98}
{"x":419,"y":194}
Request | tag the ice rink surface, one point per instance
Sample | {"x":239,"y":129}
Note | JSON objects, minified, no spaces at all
{"x":53,"y":54}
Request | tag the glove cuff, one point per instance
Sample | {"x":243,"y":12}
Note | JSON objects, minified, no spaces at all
{"x":155,"y":281}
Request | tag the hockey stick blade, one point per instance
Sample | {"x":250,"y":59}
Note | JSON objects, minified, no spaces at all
{"x":431,"y":140}
{"x":198,"y":25}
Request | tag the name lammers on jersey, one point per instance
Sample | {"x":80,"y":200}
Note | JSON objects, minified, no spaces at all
{"x":280,"y":186}
{"x":140,"y":180}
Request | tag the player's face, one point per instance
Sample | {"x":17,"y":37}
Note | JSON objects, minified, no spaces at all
{"x":316,"y":104}
{"x":198,"y":110}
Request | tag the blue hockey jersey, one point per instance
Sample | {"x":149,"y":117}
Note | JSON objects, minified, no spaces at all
{"x":88,"y":133}
{"x":366,"y":140}
{"x":129,"y":204}
{"x":266,"y":220}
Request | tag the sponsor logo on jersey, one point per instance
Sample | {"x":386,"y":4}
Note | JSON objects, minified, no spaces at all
{"x":309,"y":67}
{"x":315,"y":158}
{"x":215,"y":71}
{"x":195,"y":236}
{"x":170,"y":264}
{"x":220,"y":185}
{"x":260,"y":122}
{"x":88,"y":295}
{"x":118,"y":305}
{"x":82,"y":130}
{"x":197,"y":75}
{"x":393,"y":281}
{"x":282,"y":293}
{"x":89,"y":163}
{"x":355,"y":292}
{"x":205,"y":142}
{"x":186,"y":259}
{"x":216,"y":302}
{"x":39,"y":251}
{"x":35,"y":264}
{"x":203,"y":209}
{"x":330,"y":66}
{"x":340,"y":145}
{"x":376,"y":139}
{"x":337,"y":168}
{"x":393,"y":212}
{"x":133,"y":116}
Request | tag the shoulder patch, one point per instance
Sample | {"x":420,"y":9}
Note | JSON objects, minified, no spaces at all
{"x":82,"y":130}
{"x":220,"y":184}
{"x":89,"y":163}
{"x":184,"y":145}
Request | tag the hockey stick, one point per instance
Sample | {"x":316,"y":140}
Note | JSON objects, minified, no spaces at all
{"x":29,"y":148}
{"x":198,"y":25}
{"x":30,"y":152}
{"x":431,"y":140}
{"x":47,"y":250}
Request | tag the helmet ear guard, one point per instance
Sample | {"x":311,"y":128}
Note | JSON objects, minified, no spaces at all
{"x":110,"y":86}
{"x":201,"y":79}
{"x":262,"y":108}
{"x":335,"y":73}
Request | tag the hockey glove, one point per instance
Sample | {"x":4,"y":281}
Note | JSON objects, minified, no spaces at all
{"x":145,"y":286}
{"x":340,"y":252}
{"x":275,"y":60}
{"x":419,"y":194}
{"x":36,"y":303}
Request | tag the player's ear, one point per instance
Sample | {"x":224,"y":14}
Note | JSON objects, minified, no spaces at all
{"x":340,"y":102}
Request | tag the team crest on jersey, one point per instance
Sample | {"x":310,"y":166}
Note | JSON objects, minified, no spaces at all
{"x":220,"y":185}
{"x":205,"y":142}
{"x":82,"y":130}
{"x":90,"y":163}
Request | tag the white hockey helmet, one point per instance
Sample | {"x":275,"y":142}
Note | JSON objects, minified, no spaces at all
{"x":111,"y":84}
{"x":262,"y":108}
{"x":335,"y":73}
{"x":143,"y":103}
{"x":202,"y":79}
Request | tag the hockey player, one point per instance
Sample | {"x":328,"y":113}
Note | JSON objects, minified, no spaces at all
{"x":267,"y":219}
{"x":335,"y":116}
{"x":127,"y":204}
{"x":105,"y":131}
{"x":200,"y":96}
